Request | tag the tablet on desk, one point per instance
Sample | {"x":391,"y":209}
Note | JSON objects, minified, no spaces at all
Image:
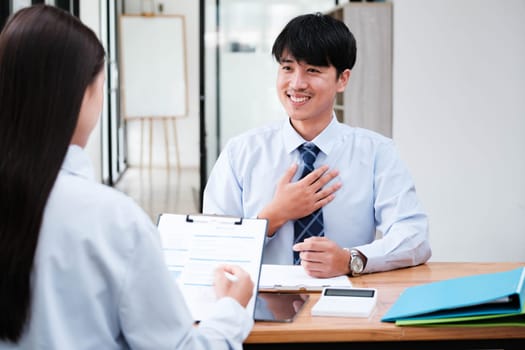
{"x":278,"y":307}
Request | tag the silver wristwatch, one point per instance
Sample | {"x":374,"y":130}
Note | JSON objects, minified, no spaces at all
{"x":357,"y":262}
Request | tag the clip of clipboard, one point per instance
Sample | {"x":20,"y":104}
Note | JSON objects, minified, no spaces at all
{"x":194,"y":245}
{"x":217,"y":218}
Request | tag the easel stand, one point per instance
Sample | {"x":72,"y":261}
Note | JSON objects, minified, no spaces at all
{"x":166,"y":121}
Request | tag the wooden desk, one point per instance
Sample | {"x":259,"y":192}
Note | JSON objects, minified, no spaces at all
{"x":308,"y":332}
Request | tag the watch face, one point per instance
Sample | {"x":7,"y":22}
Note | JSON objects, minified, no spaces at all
{"x":356,"y":264}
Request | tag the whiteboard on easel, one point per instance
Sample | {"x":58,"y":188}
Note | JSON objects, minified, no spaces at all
{"x":153,"y":66}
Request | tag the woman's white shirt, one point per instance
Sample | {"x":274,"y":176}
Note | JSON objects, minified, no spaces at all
{"x":100,"y":282}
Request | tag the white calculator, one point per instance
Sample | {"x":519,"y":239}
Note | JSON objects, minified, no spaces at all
{"x":346,"y":302}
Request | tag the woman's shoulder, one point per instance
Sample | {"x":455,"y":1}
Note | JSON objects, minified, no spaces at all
{"x":79,"y":201}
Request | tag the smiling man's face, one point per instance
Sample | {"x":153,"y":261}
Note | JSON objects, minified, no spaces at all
{"x":307,"y":92}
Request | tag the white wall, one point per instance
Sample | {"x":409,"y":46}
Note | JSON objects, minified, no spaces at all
{"x":459,"y":122}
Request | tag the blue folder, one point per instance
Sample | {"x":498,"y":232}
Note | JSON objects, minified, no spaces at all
{"x":492,"y":298}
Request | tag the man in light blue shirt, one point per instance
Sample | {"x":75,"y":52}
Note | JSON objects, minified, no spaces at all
{"x":359,"y":182}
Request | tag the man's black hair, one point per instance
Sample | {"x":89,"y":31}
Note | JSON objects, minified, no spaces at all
{"x":319,"y":40}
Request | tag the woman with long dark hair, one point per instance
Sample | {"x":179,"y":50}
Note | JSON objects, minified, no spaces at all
{"x":81,"y":265}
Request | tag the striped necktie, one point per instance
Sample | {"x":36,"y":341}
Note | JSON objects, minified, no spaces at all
{"x":310,"y":225}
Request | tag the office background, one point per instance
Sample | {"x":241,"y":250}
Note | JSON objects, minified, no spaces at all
{"x":458,"y":110}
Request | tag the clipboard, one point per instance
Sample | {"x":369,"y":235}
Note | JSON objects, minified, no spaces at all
{"x":293,"y":278}
{"x":194,"y":245}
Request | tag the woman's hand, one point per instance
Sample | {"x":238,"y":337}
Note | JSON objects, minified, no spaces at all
{"x":232,"y":281}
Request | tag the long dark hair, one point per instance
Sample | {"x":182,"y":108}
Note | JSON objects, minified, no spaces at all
{"x":47,"y":60}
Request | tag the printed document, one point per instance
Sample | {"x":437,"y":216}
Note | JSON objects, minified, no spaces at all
{"x":194,"y":245}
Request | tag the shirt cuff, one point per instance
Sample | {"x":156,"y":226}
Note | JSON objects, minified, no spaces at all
{"x":233,"y":320}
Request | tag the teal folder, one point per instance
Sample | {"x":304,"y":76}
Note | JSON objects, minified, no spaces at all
{"x":484,"y":299}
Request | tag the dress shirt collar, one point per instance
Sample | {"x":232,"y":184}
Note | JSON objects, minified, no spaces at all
{"x":77,"y":163}
{"x":325,"y":140}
